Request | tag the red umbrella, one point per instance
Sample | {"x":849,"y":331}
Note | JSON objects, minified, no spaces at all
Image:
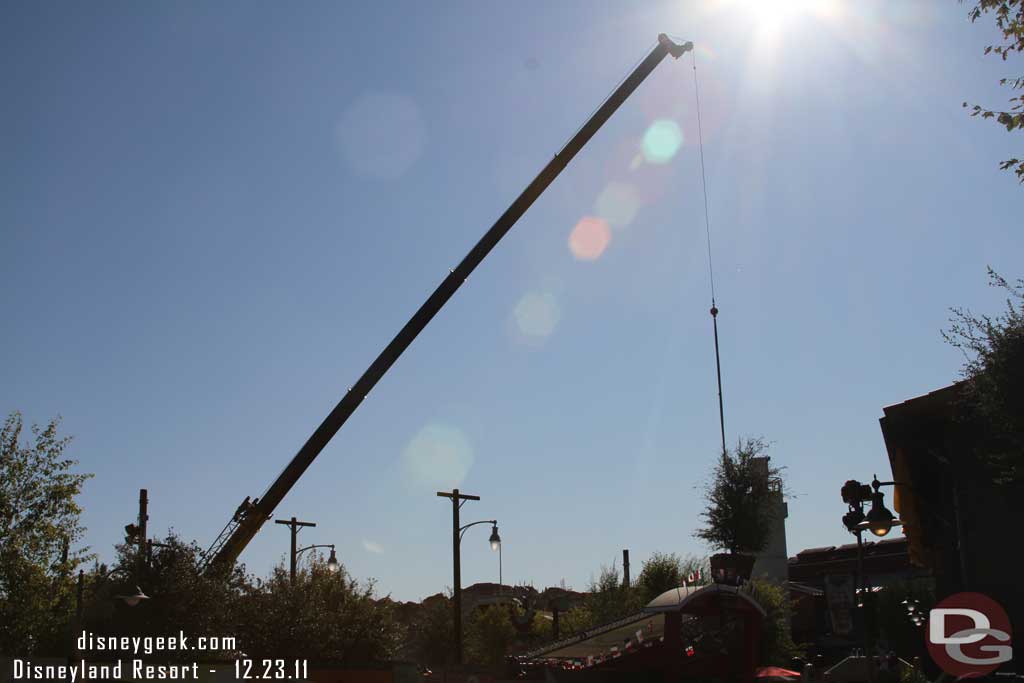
{"x":775,"y":673}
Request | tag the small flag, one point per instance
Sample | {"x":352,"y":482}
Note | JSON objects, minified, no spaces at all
{"x":639,"y":635}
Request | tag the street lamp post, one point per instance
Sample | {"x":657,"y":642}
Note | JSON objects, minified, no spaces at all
{"x":879,"y":521}
{"x":130,"y":600}
{"x":332,"y":561}
{"x":294,"y":525}
{"x":457,"y":533}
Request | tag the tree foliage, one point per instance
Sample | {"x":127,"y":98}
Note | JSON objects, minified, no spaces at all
{"x":181,"y":596}
{"x":489,"y":635}
{"x":777,"y":646}
{"x":664,"y":571}
{"x":327,"y":616}
{"x":432,"y":632}
{"x":578,"y":619}
{"x":994,"y":380}
{"x":39,"y":519}
{"x":738,"y":518}
{"x":608,"y":599}
{"x":892,"y":625}
{"x":542,"y":628}
{"x":1009,"y":17}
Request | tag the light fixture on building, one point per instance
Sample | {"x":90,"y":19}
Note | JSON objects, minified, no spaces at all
{"x":879,"y":519}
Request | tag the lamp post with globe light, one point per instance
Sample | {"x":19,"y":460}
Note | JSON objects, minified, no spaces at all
{"x":294,"y":525}
{"x":879,"y":520}
{"x":457,"y":533}
{"x":332,"y":561}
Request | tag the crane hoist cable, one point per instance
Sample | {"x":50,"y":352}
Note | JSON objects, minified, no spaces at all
{"x":707,"y":232}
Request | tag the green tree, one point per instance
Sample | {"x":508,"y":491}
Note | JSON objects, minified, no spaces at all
{"x":1009,"y":16}
{"x":664,"y":571}
{"x":777,"y":646}
{"x":542,"y":628}
{"x":39,"y":519}
{"x":576,"y":620}
{"x":489,"y":635}
{"x":892,"y":624}
{"x":181,"y":596}
{"x":660,"y":572}
{"x":993,"y":396}
{"x":432,"y":632}
{"x":325,"y":615}
{"x":738,"y":517}
{"x":607,"y":598}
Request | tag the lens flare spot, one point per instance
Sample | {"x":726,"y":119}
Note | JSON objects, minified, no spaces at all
{"x":381,"y":135}
{"x":617,"y":204}
{"x":589,"y":238}
{"x":704,"y":53}
{"x":439,"y":456}
{"x":372,"y":547}
{"x":537,"y":314}
{"x":661,"y":141}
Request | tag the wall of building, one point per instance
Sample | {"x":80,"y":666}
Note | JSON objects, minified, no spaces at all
{"x":773,"y":562}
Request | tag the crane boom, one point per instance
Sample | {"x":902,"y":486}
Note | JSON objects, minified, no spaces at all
{"x":250,"y":516}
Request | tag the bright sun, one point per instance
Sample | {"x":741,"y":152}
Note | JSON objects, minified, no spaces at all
{"x":773,"y":20}
{"x":775,"y":10}
{"x":776,"y":13}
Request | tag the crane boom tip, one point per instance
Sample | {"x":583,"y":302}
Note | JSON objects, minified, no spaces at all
{"x":675,"y":49}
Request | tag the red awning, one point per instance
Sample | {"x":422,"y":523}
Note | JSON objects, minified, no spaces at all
{"x":775,"y":673}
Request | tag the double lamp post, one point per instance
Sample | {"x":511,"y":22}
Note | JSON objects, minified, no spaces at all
{"x":879,"y":520}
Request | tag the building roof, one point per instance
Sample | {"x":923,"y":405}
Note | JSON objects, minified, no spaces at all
{"x":600,"y":639}
{"x":804,"y":588}
{"x":687,"y":598}
{"x":901,"y":424}
{"x":885,"y":557}
{"x":650,"y":623}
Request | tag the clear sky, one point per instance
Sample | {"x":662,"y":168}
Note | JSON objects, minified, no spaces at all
{"x":215,"y":215}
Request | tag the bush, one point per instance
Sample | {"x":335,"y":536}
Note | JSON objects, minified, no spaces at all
{"x":777,"y":646}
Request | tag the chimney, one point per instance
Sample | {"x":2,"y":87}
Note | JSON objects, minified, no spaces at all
{"x":625,"y":568}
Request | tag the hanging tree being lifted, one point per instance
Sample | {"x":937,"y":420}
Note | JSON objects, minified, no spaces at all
{"x":251,"y":514}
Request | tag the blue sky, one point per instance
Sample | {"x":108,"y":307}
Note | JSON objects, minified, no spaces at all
{"x":214,"y":217}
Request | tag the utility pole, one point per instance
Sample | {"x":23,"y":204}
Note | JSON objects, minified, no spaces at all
{"x":140,"y":559}
{"x":79,"y":595}
{"x":295,"y":525}
{"x":457,"y":499}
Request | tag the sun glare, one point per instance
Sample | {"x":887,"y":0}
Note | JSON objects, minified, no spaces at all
{"x":774,"y":14}
{"x":774,"y":24}
{"x":776,"y":10}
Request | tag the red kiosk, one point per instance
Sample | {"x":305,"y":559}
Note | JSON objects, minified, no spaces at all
{"x":706,"y":633}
